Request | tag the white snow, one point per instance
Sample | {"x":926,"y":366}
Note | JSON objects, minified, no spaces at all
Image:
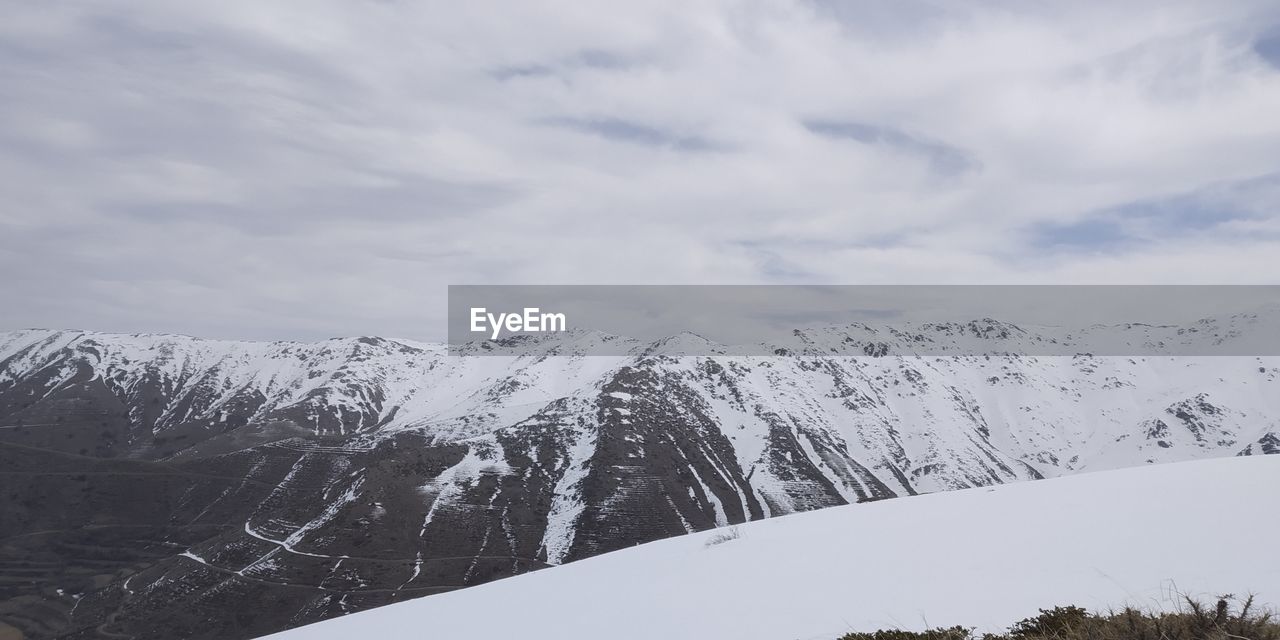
{"x":567,"y":504}
{"x":981,"y":557}
{"x":193,"y":556}
{"x":915,"y":423}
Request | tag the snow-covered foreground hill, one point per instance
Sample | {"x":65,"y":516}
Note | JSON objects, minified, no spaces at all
{"x":981,"y":557}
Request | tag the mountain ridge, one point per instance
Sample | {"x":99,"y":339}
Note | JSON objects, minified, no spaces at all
{"x":372,"y":470}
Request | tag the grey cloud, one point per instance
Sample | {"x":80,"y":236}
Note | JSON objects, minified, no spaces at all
{"x":1091,"y":235}
{"x":524,"y":71}
{"x":599,"y":59}
{"x":602,"y":59}
{"x":944,"y":159}
{"x":771,"y":262}
{"x":123,"y":42}
{"x":635,"y":133}
{"x":887,"y":18}
{"x":406,"y":199}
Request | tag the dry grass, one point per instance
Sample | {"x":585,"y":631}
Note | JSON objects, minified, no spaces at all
{"x":1229,"y":618}
{"x":724,"y":536}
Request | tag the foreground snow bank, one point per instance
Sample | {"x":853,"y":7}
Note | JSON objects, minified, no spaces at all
{"x":984,"y":557}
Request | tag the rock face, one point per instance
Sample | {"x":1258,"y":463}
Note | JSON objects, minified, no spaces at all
{"x":165,"y":486}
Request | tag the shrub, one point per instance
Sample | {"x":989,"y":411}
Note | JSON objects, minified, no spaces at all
{"x":1058,"y":622}
{"x":952,"y":633}
{"x":1228,"y":619}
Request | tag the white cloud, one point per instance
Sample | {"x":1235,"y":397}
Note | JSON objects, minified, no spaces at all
{"x":299,"y":169}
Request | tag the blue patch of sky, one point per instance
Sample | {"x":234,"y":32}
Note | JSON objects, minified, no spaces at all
{"x":1143,"y":221}
{"x":1267,"y":46}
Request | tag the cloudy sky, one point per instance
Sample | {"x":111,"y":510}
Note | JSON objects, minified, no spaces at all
{"x":326,"y":167}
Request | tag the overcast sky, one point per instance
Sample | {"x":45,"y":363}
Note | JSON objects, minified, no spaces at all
{"x":317,"y":168}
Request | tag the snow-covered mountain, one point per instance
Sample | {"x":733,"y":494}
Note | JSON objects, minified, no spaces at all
{"x":334,"y":476}
{"x":977,"y":557}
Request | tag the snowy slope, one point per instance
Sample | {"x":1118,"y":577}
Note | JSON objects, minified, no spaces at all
{"x":984,"y":557}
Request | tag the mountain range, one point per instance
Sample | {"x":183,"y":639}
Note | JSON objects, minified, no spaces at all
{"x":161,"y":486}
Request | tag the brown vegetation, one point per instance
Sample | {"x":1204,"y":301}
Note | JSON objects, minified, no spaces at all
{"x":1228,"y":619}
